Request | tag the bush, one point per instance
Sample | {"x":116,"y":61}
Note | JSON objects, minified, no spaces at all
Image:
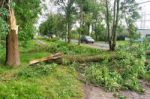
{"x":55,"y":24}
{"x":101,"y":75}
{"x":70,"y":49}
{"x":120,"y":73}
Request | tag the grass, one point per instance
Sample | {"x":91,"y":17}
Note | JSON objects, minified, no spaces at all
{"x":38,"y":82}
{"x":52,"y":82}
{"x":71,"y":49}
{"x":122,"y":43}
{"x":55,"y":81}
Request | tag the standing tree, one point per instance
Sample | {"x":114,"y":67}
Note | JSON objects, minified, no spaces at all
{"x":130,"y":13}
{"x":69,"y":9}
{"x":115,"y":18}
{"x":12,"y":50}
{"x":88,"y":11}
{"x":55,"y":24}
{"x":81,"y":18}
{"x":129,"y":9}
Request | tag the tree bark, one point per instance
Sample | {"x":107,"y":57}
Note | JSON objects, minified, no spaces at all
{"x":81,"y":26}
{"x":112,"y":35}
{"x":69,"y":35}
{"x":113,"y":27}
{"x":108,"y":25}
{"x":115,"y":24}
{"x":12,"y":49}
{"x":58,"y":58}
{"x":85,"y":59}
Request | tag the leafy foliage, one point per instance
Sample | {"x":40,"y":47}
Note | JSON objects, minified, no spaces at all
{"x":55,"y":24}
{"x":100,"y":32}
{"x":26,"y":12}
{"x":70,"y":49}
{"x":3,"y":24}
{"x":121,"y":73}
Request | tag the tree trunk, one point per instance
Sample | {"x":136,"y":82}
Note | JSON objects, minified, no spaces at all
{"x":68,"y":31}
{"x":81,"y":26}
{"x":108,"y":25}
{"x":12,"y":49}
{"x":112,"y":48}
{"x":115,"y":24}
{"x":79,"y":39}
{"x":69,"y":36}
{"x":12,"y":55}
{"x":88,"y":29}
{"x":58,"y":58}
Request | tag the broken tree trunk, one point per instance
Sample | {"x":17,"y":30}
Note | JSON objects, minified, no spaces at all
{"x":51,"y":58}
{"x":12,"y":49}
{"x":69,"y":59}
{"x":86,"y":59}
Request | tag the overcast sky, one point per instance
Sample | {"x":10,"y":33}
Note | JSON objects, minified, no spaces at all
{"x":144,"y":21}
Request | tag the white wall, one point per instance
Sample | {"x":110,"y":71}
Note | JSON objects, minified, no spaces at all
{"x":144,"y":32}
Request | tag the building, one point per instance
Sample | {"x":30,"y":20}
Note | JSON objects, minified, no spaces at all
{"x":144,"y":33}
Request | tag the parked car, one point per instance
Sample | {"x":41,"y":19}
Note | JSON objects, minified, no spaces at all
{"x":121,"y":37}
{"x":87,"y":39}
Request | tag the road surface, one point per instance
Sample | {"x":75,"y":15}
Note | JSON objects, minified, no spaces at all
{"x":97,"y":45}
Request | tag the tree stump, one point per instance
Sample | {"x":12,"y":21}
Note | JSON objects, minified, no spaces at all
{"x":12,"y":49}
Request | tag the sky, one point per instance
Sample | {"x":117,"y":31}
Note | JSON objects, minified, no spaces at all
{"x":144,"y":21}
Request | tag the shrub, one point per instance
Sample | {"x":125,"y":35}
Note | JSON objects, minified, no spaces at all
{"x":120,"y":73}
{"x":101,"y":75}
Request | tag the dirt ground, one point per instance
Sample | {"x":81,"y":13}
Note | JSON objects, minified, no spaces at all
{"x":91,"y":92}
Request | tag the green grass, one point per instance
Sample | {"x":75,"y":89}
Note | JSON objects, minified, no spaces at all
{"x":54,"y":81}
{"x":43,"y":81}
{"x":71,"y":49}
{"x":122,"y":43}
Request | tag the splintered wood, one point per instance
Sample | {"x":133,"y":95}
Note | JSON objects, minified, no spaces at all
{"x":12,"y":49}
{"x":51,"y":58}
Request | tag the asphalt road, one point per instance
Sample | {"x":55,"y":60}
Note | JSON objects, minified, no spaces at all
{"x":97,"y":45}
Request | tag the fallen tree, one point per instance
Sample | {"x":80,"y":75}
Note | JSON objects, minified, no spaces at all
{"x":51,"y":58}
{"x":69,"y":59}
{"x":85,"y":59}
